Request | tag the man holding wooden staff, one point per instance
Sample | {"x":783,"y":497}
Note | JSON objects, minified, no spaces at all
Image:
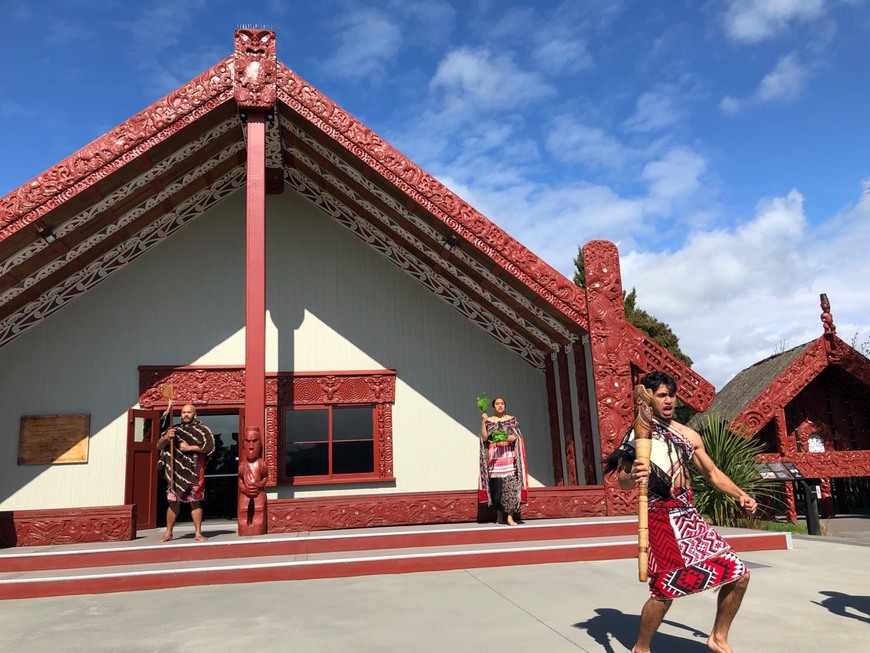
{"x":183,"y":452}
{"x":685,"y":554}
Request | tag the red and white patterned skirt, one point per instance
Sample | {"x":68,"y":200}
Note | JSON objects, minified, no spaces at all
{"x":686,"y":555}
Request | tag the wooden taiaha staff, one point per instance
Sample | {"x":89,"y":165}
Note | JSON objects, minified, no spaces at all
{"x":168,"y":392}
{"x":642,"y":445}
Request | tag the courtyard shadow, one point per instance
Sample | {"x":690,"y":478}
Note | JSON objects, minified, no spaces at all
{"x":611,"y":625}
{"x":846,"y":605}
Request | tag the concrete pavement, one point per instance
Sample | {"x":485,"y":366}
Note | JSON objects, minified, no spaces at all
{"x":808,"y":599}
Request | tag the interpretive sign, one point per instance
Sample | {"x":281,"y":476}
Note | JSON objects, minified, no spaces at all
{"x":53,"y":439}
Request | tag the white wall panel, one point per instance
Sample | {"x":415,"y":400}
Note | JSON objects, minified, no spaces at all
{"x":336,"y":304}
{"x":333,"y":304}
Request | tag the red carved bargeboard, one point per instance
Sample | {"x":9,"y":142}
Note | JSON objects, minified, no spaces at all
{"x":67,"y":526}
{"x":327,"y":513}
{"x":116,"y":148}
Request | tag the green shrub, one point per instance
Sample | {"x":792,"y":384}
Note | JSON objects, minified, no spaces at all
{"x":735,"y":456}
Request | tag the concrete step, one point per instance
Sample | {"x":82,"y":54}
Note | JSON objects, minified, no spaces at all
{"x":227,"y":559}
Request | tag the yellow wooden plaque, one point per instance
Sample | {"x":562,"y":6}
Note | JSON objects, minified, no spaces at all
{"x":53,"y":439}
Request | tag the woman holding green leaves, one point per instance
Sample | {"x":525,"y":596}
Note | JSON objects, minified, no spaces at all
{"x":504,"y":479}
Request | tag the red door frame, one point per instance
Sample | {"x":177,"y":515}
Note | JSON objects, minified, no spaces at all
{"x":140,"y":486}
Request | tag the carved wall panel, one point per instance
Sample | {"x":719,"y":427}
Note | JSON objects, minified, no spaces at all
{"x":325,"y":513}
{"x":552,"y":503}
{"x":828,"y":464}
{"x":270,"y":446}
{"x":224,"y":387}
{"x":553,"y":413}
{"x":203,"y":387}
{"x":67,"y":526}
{"x":567,"y":416}
{"x":585,"y":427}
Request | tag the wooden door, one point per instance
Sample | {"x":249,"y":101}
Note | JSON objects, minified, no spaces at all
{"x":143,"y":430}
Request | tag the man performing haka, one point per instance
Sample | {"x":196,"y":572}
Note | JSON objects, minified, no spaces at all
{"x":182,"y":463}
{"x":685,"y":554}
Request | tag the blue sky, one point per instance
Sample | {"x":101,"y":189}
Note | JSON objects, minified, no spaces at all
{"x":723,"y":145}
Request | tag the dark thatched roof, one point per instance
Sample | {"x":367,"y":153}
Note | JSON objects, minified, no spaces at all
{"x":740,"y":391}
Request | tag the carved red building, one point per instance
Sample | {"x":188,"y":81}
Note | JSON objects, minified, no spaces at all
{"x":250,"y":242}
{"x":811,"y":406}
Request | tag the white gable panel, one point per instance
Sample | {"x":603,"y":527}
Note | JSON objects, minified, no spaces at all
{"x":180,"y":303}
{"x":336,"y":304}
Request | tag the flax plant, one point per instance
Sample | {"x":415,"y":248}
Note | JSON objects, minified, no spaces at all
{"x":735,"y":455}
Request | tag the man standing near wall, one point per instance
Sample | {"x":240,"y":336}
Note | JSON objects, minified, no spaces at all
{"x":182,"y":463}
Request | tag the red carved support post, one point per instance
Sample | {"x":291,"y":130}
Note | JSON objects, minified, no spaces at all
{"x":255,"y":275}
{"x":611,"y":370}
{"x":567,"y":417}
{"x":255,"y":91}
{"x":586,"y":444}
{"x":552,"y":411}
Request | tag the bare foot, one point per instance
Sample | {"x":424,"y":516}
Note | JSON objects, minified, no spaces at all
{"x":718,"y":647}
{"x":166,"y":537}
{"x":200,"y":537}
{"x":510,"y":521}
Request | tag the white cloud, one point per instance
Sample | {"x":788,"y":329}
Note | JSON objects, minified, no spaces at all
{"x":366,"y":40}
{"x":757,"y":20}
{"x":469,"y":80}
{"x":655,"y":110}
{"x":675,"y":176}
{"x":730,"y":105}
{"x":562,"y":54}
{"x":785,"y":81}
{"x":432,"y":19}
{"x":162,"y":25}
{"x":578,"y":143}
{"x":734,"y":295}
{"x":552,"y":219}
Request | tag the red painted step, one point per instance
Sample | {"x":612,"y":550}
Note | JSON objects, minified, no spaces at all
{"x":330,"y":555}
{"x":148,"y":551}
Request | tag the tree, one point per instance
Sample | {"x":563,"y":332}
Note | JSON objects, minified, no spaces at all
{"x":649,"y":324}
{"x":861,"y":345}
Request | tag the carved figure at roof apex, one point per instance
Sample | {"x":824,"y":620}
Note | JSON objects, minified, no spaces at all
{"x":827,"y":318}
{"x":255,"y":59}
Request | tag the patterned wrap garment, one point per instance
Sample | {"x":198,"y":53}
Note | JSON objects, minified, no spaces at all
{"x":686,"y":555}
{"x":503,"y":467}
{"x":188,"y":482}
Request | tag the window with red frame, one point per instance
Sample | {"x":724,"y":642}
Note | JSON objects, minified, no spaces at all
{"x":329,"y":443}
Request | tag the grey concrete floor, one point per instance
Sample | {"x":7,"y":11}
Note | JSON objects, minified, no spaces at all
{"x":815,"y":597}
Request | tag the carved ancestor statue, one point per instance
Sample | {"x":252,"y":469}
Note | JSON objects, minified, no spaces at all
{"x":827,"y":318}
{"x":252,"y":484}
